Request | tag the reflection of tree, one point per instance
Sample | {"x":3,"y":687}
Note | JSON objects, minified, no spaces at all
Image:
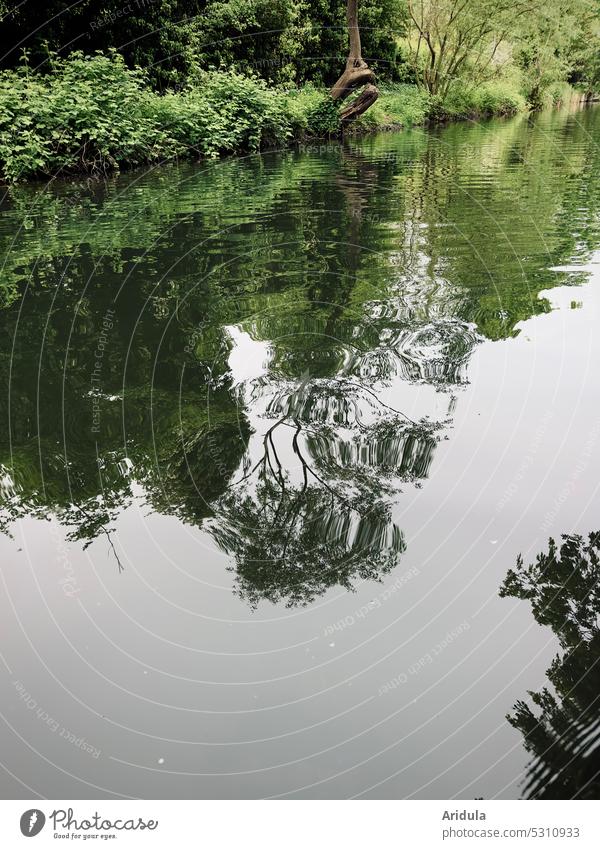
{"x":562,"y":730}
{"x":293,"y":543}
{"x":363,"y":271}
{"x":299,"y":526}
{"x":89,"y":518}
{"x":316,"y":506}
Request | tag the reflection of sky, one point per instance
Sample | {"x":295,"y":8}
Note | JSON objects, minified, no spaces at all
{"x":248,"y":358}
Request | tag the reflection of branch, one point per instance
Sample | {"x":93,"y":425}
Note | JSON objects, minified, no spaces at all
{"x":106,"y":532}
{"x":263,"y":460}
{"x":298,"y":501}
{"x":379,"y":401}
{"x":308,"y":468}
{"x":305,"y":468}
{"x":279,"y":477}
{"x":272,"y":465}
{"x":297,"y":451}
{"x":306,"y":429}
{"x":279,"y":470}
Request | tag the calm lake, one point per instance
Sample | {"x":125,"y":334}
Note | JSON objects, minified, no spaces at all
{"x":274,"y":431}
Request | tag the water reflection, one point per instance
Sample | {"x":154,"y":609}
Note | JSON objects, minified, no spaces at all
{"x":232,"y":344}
{"x":310,"y":510}
{"x":561,"y":723}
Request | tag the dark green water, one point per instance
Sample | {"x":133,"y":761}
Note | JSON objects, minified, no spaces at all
{"x":273,"y":432}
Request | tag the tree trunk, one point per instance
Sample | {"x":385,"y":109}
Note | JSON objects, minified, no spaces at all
{"x":356,"y":74}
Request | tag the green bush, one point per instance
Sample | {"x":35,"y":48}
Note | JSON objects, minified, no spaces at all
{"x":312,"y":112}
{"x":254,"y":111}
{"x":85,"y":115}
{"x":94,"y":114}
{"x":559,"y":94}
{"x":499,"y":97}
{"x":398,"y":105}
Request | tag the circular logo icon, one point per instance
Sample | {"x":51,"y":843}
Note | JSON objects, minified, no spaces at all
{"x":32,"y":822}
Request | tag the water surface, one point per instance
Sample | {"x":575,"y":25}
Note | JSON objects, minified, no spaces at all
{"x":274,"y":431}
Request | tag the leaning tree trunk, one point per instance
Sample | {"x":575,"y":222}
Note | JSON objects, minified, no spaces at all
{"x":356,"y":74}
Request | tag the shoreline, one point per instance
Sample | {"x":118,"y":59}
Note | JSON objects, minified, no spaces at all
{"x":400,"y":108}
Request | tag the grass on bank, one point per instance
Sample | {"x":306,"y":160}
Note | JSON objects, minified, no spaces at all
{"x":93,"y":114}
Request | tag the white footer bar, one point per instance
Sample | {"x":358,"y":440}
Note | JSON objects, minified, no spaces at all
{"x":301,"y":824}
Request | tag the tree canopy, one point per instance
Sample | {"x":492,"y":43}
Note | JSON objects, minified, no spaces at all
{"x":434,"y":43}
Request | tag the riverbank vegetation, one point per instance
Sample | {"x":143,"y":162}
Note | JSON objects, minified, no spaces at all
{"x":103,"y":85}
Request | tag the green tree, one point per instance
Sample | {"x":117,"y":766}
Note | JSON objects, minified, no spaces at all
{"x":283,"y":41}
{"x":550,"y":43}
{"x":473,"y":41}
{"x":148,"y":33}
{"x":452,"y":39}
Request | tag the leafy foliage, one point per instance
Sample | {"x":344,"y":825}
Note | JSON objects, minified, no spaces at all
{"x":564,"y":732}
{"x":400,"y":105}
{"x":432,"y":43}
{"x":497,"y":97}
{"x":93,"y":114}
{"x":282,"y":40}
{"x":475,"y":41}
{"x":159,"y":80}
{"x":551,"y":45}
{"x":312,"y":112}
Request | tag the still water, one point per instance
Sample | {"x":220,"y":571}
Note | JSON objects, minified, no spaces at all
{"x":274,"y":432}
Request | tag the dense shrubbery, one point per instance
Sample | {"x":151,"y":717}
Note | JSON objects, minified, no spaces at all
{"x":403,"y":105}
{"x":86,"y":115}
{"x":221,"y":76}
{"x":94,"y":114}
{"x":499,"y":97}
{"x":312,"y":112}
{"x":399,"y":105}
{"x":284,"y":41}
